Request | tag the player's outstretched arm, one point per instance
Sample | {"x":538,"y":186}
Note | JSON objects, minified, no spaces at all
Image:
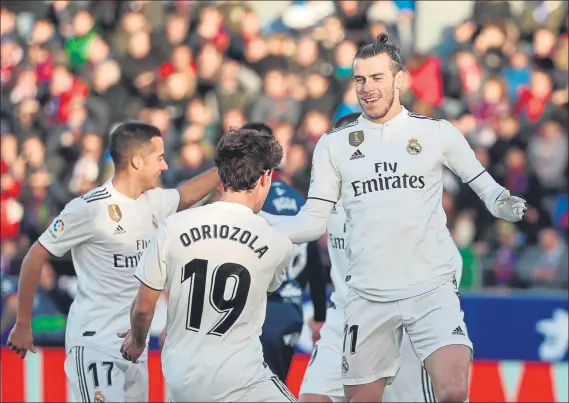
{"x":67,"y":230}
{"x":280,"y":271}
{"x":310,"y":222}
{"x":460,"y":158}
{"x":20,"y":339}
{"x":197,"y":188}
{"x":308,"y":225}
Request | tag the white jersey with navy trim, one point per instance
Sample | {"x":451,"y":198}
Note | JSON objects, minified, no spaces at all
{"x":389,"y":179}
{"x":106,"y":233}
{"x":217,"y":262}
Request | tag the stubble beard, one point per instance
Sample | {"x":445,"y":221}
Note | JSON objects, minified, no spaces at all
{"x":389,"y":98}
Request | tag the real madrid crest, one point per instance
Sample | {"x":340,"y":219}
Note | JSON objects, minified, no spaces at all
{"x":356,"y":138}
{"x":414,"y":147}
{"x":154,"y":221}
{"x":98,"y":398}
{"x":345,"y":366}
{"x":115,"y":212}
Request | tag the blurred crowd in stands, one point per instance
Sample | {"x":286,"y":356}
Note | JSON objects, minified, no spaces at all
{"x":71,"y":70}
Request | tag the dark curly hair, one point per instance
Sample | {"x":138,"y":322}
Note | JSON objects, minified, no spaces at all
{"x":244,"y":155}
{"x":260,"y":127}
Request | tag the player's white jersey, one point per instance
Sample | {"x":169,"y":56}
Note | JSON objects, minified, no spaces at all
{"x":217,"y":261}
{"x":107,"y":233}
{"x":389,"y":177}
{"x":336,"y":251}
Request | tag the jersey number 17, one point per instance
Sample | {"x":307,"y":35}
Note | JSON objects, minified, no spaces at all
{"x":196,"y":272}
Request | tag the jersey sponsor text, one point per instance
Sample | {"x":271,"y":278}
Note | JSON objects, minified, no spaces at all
{"x":231,"y":233}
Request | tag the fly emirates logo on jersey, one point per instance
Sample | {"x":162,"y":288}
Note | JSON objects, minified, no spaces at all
{"x":388,"y":178}
{"x":121,"y":261}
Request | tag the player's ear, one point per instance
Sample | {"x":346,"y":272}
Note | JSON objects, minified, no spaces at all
{"x":266,"y":178}
{"x":136,"y":162}
{"x":399,"y":79}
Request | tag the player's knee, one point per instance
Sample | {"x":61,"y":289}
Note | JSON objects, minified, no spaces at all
{"x":452,"y":392}
{"x":371,"y":392}
{"x":453,"y":386}
{"x":312,"y":398}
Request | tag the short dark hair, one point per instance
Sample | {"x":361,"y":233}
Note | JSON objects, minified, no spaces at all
{"x":129,"y":136}
{"x":260,"y":127}
{"x":381,"y":46}
{"x":244,"y":155}
{"x":344,"y":120}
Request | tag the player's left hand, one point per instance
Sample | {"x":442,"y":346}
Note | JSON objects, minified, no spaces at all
{"x":510,"y":208}
{"x":130,"y":350}
{"x":315,"y":327}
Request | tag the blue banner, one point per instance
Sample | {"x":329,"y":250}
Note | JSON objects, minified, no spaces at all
{"x":518,"y":326}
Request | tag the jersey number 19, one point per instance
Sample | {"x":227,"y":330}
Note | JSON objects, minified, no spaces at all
{"x":196,"y":272}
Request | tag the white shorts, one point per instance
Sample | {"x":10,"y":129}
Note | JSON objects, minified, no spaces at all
{"x":266,"y":387}
{"x":375,"y":332}
{"x":96,"y":377}
{"x":324,"y":374}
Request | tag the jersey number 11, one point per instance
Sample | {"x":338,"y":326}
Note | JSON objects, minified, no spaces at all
{"x":196,"y":272}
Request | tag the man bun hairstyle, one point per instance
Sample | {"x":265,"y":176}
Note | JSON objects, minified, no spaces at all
{"x":244,"y":155}
{"x":382,"y":38}
{"x":380,"y":46}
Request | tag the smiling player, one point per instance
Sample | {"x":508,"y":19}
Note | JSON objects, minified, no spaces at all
{"x":106,"y":231}
{"x":387,"y":168}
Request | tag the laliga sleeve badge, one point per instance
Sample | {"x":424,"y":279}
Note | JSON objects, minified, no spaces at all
{"x":57,"y":227}
{"x":356,"y":138}
{"x":115,"y":212}
{"x":98,"y":398}
{"x":414,"y":147}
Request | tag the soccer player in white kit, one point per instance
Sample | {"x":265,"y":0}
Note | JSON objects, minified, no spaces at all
{"x":218,"y":262}
{"x":106,"y":231}
{"x":323,"y":377}
{"x":387,"y":169}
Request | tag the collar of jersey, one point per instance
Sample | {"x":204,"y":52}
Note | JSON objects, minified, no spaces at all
{"x":362,"y":121}
{"x":233,"y":206}
{"x":118,"y":194}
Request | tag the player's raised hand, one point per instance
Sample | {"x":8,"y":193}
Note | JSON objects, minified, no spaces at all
{"x":130,"y":350}
{"x":21,"y":340}
{"x":510,"y":208}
